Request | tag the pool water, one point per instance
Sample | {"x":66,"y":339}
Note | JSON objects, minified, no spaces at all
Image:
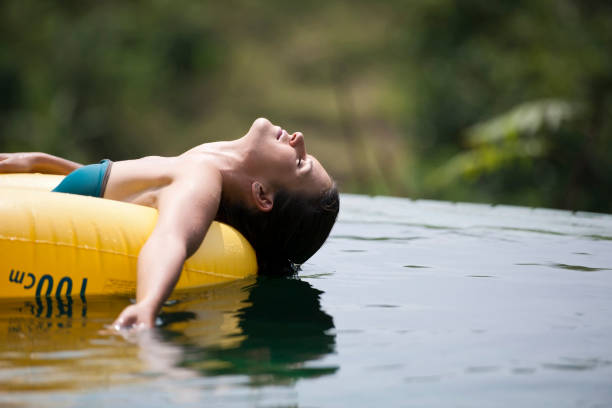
{"x":409,"y":304}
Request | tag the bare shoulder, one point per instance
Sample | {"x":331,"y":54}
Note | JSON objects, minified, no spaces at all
{"x":195,"y":178}
{"x":189,"y":204}
{"x":197,"y":170}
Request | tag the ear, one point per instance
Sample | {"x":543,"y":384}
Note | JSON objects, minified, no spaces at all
{"x":262,"y":196}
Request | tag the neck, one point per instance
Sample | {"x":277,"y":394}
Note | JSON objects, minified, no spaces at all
{"x":229,"y":158}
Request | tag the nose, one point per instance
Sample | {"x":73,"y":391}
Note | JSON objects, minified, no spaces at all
{"x":261,"y":123}
{"x":297,"y":142}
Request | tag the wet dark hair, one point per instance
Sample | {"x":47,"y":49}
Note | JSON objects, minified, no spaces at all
{"x":290,"y":233}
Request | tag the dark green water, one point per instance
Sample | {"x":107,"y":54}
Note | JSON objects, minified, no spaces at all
{"x":418,"y":304}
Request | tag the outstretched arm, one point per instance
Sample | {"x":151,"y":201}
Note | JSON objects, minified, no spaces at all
{"x":35,"y":162}
{"x":187,"y":207}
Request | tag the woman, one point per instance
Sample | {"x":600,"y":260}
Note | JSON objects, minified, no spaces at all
{"x":263,"y":184}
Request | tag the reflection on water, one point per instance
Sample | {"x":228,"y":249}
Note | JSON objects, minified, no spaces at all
{"x":565,"y":266}
{"x":51,"y":343}
{"x":410,"y":303}
{"x":267,"y":329}
{"x":280,"y":326}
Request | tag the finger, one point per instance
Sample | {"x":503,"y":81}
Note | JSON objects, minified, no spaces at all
{"x":6,"y":166}
{"x":141,"y":326}
{"x":125,"y":319}
{"x":9,"y":165}
{"x":122,"y":325}
{"x":109,"y":331}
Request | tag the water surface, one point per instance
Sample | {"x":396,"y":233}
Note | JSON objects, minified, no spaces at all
{"x":410,"y":303}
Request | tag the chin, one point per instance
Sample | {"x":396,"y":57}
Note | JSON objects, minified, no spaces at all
{"x":261,"y":130}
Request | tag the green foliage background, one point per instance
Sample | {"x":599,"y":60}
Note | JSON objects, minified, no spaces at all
{"x":473,"y":100}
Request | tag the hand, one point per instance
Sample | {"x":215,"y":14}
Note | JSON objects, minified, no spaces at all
{"x":17,"y":162}
{"x":138,"y":316}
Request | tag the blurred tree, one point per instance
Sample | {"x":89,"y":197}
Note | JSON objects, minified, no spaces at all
{"x":389,"y":93}
{"x":477,"y":59}
{"x":92,"y":79}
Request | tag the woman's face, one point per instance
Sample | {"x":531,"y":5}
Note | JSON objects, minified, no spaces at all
{"x":280,"y":159}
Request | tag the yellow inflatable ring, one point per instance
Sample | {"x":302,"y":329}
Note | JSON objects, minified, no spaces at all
{"x":55,"y":244}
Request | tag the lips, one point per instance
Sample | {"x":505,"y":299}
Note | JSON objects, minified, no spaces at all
{"x":281,"y":132}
